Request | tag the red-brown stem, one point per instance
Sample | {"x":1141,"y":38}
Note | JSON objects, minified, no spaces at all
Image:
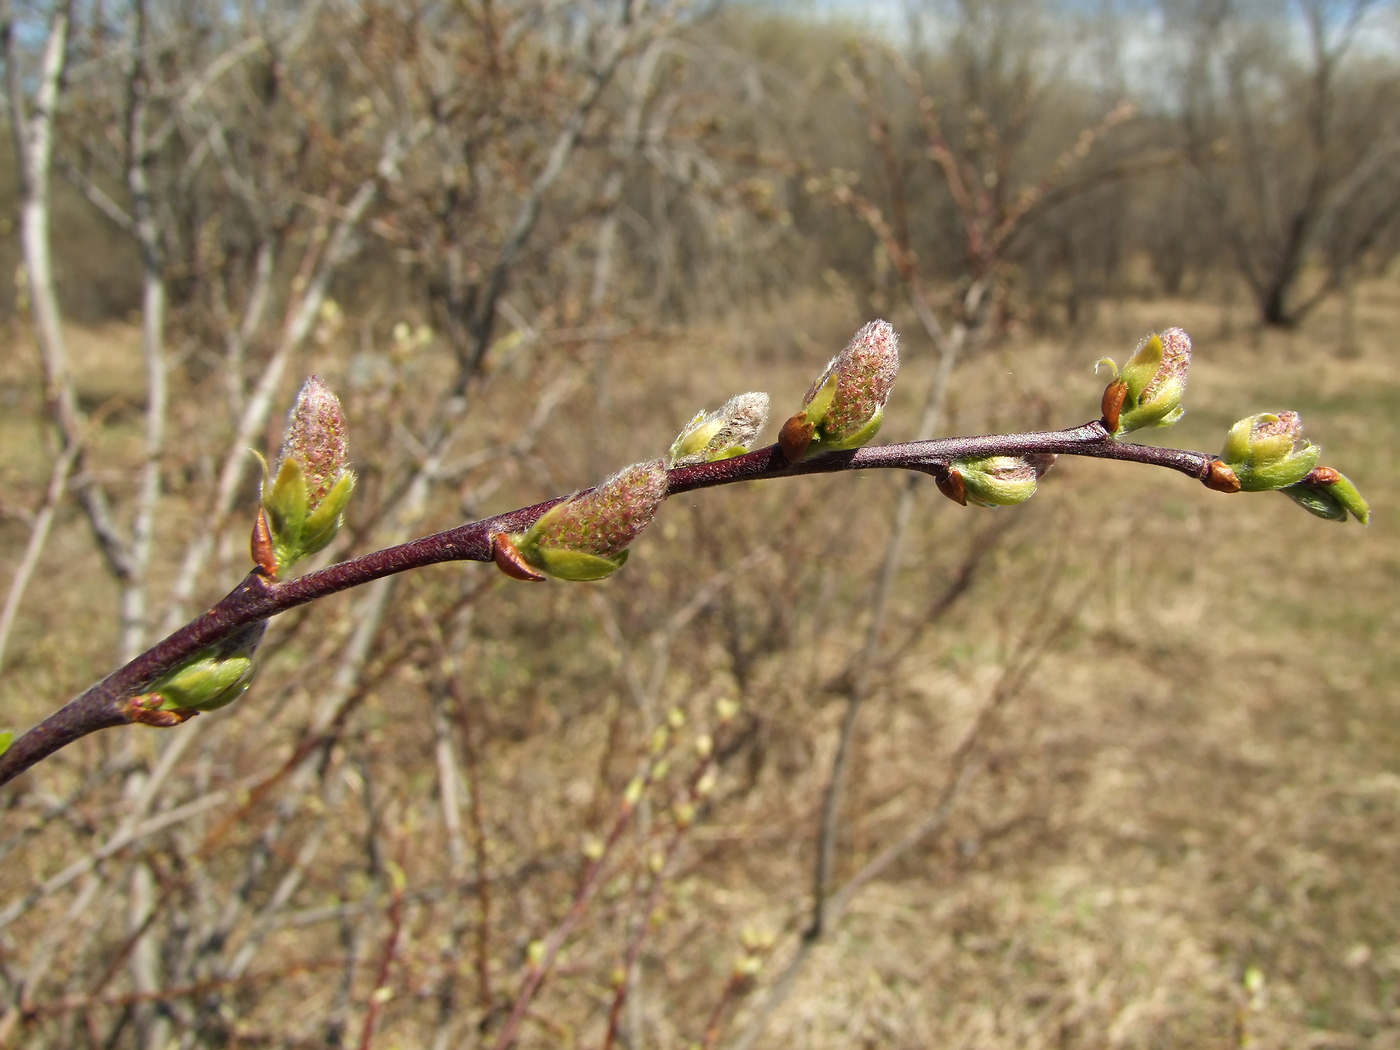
{"x":257,"y":598}
{"x":386,"y":961}
{"x":583,"y":896}
{"x":731,"y":991}
{"x":479,"y":843}
{"x":658,"y":883}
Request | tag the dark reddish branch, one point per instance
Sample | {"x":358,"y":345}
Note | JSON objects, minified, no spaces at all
{"x":258,"y":598}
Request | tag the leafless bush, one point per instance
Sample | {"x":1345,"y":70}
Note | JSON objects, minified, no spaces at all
{"x":448,"y":815}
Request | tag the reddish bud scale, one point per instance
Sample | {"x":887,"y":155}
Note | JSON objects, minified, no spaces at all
{"x":144,"y":709}
{"x":262,"y":547}
{"x":1221,"y":478}
{"x":1112,"y":404}
{"x":951,"y":485}
{"x":316,"y":438}
{"x":795,"y":437}
{"x":509,"y":560}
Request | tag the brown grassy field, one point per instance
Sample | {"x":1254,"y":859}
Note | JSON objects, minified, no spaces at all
{"x":1180,"y":826}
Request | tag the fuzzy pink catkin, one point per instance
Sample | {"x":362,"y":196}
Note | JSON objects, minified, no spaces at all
{"x":316,"y":438}
{"x":865,"y":374}
{"x":606,"y":519}
{"x":1176,"y":359}
{"x":1286,"y":424}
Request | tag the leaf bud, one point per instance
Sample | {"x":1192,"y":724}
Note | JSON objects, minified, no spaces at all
{"x":1148,"y":391}
{"x":1264,"y":452}
{"x":844,"y":408}
{"x":1331,"y":495}
{"x":586,"y":536}
{"x":210,"y":679}
{"x":994,"y":481}
{"x":303,"y":505}
{"x":728,"y":431}
{"x":747,"y":966}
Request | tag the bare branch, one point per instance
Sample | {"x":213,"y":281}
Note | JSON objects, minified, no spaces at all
{"x":257,"y":598}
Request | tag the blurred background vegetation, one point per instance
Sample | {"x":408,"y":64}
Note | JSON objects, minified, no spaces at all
{"x":1119,"y":765}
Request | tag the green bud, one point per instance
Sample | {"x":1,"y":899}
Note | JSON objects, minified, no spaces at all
{"x":846,"y":405}
{"x":1264,"y":453}
{"x":205,"y":683}
{"x":210,"y":679}
{"x":7,"y":737}
{"x":995,"y":481}
{"x":305,"y":503}
{"x":724,"y":433}
{"x":586,"y":537}
{"x":1330,"y":495}
{"x":1152,"y":384}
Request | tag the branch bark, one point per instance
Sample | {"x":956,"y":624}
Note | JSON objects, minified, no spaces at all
{"x":256,"y":598}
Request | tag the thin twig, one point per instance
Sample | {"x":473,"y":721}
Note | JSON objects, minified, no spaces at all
{"x":380,"y":994}
{"x":106,"y":704}
{"x":540,"y":966}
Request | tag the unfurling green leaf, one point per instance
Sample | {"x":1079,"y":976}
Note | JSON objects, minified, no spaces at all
{"x":728,"y":431}
{"x":1330,"y":495}
{"x":1264,"y":452}
{"x":1148,"y":391}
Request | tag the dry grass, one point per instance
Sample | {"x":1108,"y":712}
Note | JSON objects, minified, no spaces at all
{"x":1199,"y":777}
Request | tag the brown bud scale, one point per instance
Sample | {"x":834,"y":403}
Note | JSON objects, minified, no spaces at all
{"x":795,"y":436}
{"x":144,"y":708}
{"x":509,"y":561}
{"x":1221,"y":478}
{"x":951,"y":485}
{"x":1112,"y":404}
{"x":263,"y":550}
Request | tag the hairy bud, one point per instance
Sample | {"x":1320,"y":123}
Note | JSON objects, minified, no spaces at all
{"x":586,"y":537}
{"x":994,"y":481}
{"x":1148,"y":391}
{"x":1264,"y":452}
{"x":303,"y":506}
{"x":846,"y":405}
{"x":728,"y":431}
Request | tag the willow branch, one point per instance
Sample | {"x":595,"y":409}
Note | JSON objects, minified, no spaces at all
{"x":257,"y":598}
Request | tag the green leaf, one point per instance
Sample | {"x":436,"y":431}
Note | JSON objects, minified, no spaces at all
{"x":576,"y":566}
